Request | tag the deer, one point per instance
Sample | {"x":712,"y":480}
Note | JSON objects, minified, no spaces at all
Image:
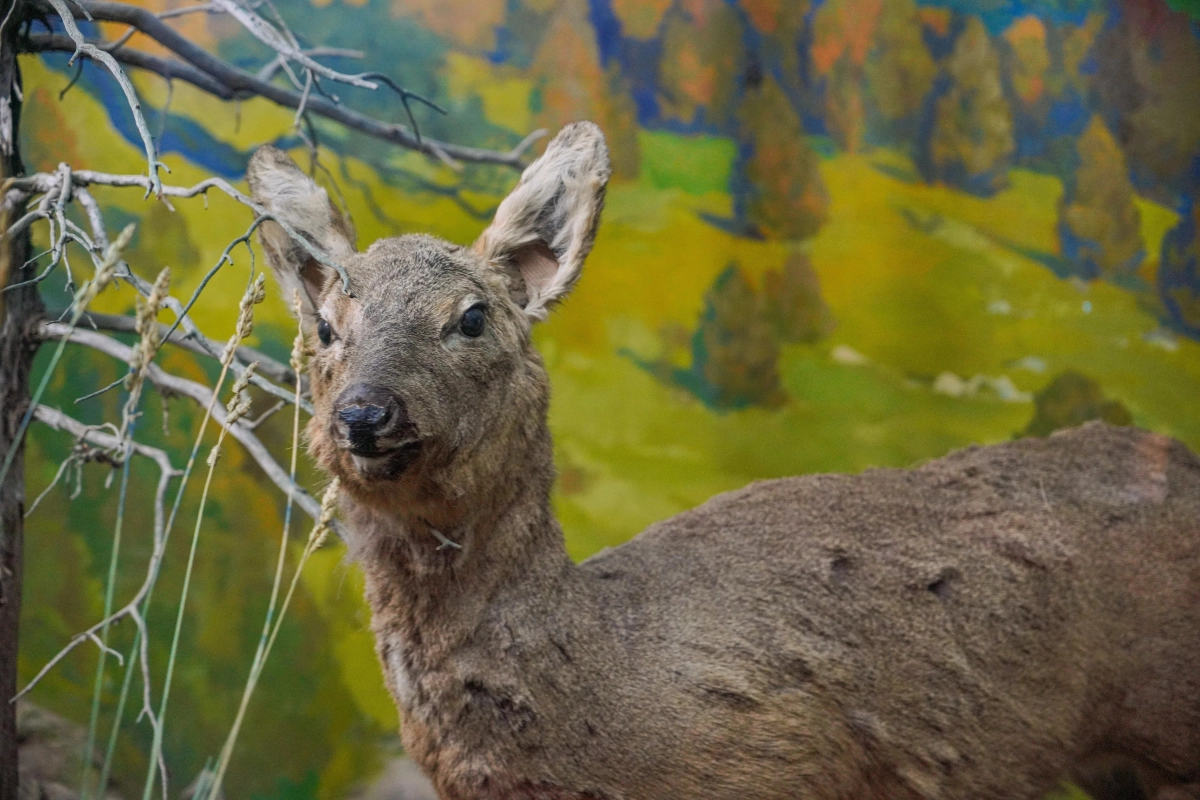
{"x":981,"y":626}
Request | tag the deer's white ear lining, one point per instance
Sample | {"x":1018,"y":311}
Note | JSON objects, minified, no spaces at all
{"x":545,"y":228}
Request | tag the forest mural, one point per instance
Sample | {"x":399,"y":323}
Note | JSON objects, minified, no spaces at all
{"x":841,"y":234}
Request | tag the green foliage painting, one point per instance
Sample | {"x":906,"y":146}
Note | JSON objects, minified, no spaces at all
{"x":841,"y":234}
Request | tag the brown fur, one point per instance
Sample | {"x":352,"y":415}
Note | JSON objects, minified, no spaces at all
{"x":975,"y":628}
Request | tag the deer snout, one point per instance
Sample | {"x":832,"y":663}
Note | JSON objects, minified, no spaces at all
{"x":371,"y":421}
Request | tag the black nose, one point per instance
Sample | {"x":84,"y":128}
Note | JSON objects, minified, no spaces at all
{"x":368,"y":418}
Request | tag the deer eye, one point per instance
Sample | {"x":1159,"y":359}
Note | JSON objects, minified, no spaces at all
{"x":324,"y":331}
{"x":472,"y":321}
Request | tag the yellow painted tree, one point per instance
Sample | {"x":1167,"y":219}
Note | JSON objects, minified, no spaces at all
{"x":792,"y":302}
{"x":702,"y":52}
{"x":782,"y":194}
{"x":1099,"y":225}
{"x":901,"y":70}
{"x":573,"y":85}
{"x":972,"y":140}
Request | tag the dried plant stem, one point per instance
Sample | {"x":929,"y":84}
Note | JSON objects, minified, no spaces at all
{"x":260,"y":654}
{"x":109,"y":588}
{"x":143,"y":354}
{"x":255,"y":293}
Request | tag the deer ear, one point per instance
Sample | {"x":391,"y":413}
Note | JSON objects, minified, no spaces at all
{"x":544,"y":229}
{"x":292,"y":197}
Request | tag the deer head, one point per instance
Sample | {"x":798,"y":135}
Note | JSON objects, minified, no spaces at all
{"x":424,"y":380}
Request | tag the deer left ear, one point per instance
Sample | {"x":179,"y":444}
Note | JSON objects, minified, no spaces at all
{"x":295,"y":199}
{"x":545,"y":228}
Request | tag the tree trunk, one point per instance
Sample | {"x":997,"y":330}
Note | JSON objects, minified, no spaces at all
{"x":20,"y":310}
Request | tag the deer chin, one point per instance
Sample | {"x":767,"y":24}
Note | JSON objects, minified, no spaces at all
{"x":386,"y":465}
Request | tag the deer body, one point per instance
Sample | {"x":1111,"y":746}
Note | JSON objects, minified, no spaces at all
{"x":975,"y":628}
{"x":970,"y":629}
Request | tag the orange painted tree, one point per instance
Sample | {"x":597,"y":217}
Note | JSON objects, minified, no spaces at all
{"x":702,"y":54}
{"x":782,"y":193}
{"x":842,"y":37}
{"x":574,"y":85}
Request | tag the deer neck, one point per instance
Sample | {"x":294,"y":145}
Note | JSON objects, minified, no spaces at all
{"x":438,"y":568}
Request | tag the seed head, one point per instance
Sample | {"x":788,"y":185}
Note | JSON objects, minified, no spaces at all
{"x":239,"y":401}
{"x":328,"y":501}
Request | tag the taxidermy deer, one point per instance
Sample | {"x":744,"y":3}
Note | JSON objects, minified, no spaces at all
{"x":976,"y":628}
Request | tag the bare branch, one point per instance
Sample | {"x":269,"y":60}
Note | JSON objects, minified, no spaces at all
{"x":42,"y":211}
{"x":285,"y":46}
{"x":82,"y":47}
{"x":75,"y":459}
{"x":246,"y":84}
{"x":106,"y":649}
{"x":272,"y":67}
{"x":95,"y":220}
{"x":50,"y":208}
{"x":201,"y":394}
{"x":275,"y":370}
{"x":49,"y":183}
{"x":263,"y":417}
{"x":113,"y":444}
{"x":179,"y":12}
{"x":60,"y":421}
{"x":168,"y":68}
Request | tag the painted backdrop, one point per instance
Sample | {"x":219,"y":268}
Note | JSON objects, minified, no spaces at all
{"x":840,"y":234}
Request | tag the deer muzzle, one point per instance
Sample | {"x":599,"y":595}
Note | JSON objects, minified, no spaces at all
{"x":372,"y":422}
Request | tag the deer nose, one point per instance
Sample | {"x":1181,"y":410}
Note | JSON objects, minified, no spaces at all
{"x":366,"y":418}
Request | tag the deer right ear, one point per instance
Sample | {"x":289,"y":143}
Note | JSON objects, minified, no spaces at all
{"x":277,"y":184}
{"x":544,"y":229}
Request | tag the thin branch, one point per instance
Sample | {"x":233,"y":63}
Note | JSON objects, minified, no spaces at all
{"x":405,"y":96}
{"x":52,"y":187}
{"x":245,"y":83}
{"x":275,"y":370}
{"x":168,"y":68}
{"x":119,"y":42}
{"x":42,"y":211}
{"x":263,"y":417}
{"x":179,"y":12}
{"x":75,"y":459}
{"x":47,"y":182}
{"x":113,"y":443}
{"x":269,"y":35}
{"x":199,"y":393}
{"x":272,"y":67}
{"x":82,"y":47}
{"x":106,"y":649}
{"x":78,"y":71}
